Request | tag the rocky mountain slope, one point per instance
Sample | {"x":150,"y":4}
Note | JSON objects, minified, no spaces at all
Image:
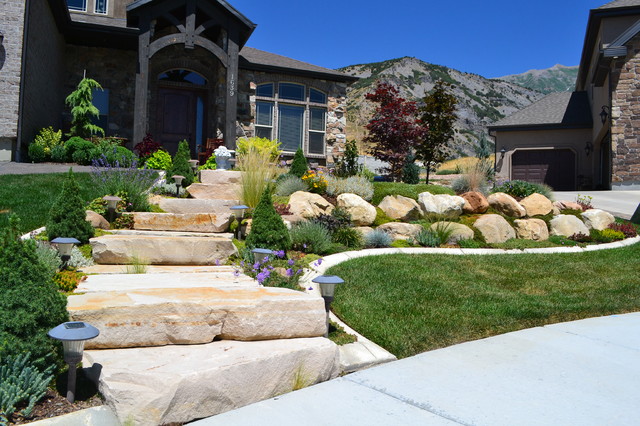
{"x":555,"y":79}
{"x":481,"y":100}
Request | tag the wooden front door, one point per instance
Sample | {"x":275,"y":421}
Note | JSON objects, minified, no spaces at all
{"x":180,"y":117}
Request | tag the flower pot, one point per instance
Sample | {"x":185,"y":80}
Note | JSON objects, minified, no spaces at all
{"x":222,"y":163}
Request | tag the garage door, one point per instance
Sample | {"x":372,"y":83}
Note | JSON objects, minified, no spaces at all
{"x":554,"y":167}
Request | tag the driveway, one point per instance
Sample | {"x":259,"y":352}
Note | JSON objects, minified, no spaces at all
{"x":620,"y":203}
{"x":13,"y":168}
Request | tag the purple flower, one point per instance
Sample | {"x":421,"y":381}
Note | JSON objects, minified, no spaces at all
{"x":280,"y":253}
{"x":266,"y":259}
{"x":319,"y":261}
{"x":291,"y":262}
{"x":299,"y":271}
{"x":217,"y":262}
{"x":236,"y":273}
{"x":256,"y":266}
{"x":242,"y":263}
{"x":289,"y":272}
{"x":310,"y":288}
{"x":304,"y":245}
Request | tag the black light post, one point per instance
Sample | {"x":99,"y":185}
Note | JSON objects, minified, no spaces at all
{"x":240,"y":215}
{"x":178,"y":180}
{"x":327,"y":290}
{"x":112,"y":205}
{"x":64,"y":246}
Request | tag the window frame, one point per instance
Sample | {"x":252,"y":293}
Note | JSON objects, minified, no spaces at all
{"x":75,"y":9}
{"x":106,"y":8}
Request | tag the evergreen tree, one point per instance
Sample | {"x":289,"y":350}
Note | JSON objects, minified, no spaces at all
{"x":181,"y":165}
{"x":484,"y":148}
{"x":299,"y":164}
{"x":347,"y":165}
{"x":83,"y":110}
{"x":67,"y":217}
{"x":411,"y":171}
{"x":268,"y":231}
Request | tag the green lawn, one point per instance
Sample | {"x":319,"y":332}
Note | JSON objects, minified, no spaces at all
{"x":31,"y":196}
{"x":414,"y":303}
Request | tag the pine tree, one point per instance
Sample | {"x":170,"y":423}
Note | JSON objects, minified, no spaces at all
{"x":268,"y":231}
{"x":484,"y":148}
{"x":181,"y":164}
{"x":67,"y":217}
{"x":411,"y":171}
{"x":299,"y":164}
{"x":82,"y":109}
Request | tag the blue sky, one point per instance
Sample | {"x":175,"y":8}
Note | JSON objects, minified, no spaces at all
{"x":491,"y":38}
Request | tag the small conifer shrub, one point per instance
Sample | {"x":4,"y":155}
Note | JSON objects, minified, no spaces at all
{"x":299,"y":165}
{"x":268,"y":231}
{"x":411,"y":171}
{"x":67,"y":217}
{"x":181,"y":164}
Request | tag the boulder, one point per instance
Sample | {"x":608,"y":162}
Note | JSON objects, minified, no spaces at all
{"x":189,"y":222}
{"x":400,"y":230}
{"x":96,"y":220}
{"x":220,"y":177}
{"x":531,"y":229}
{"x":401,"y":208}
{"x":202,"y":191}
{"x":178,"y":384}
{"x":291,"y":219}
{"x":364,"y":230}
{"x":362,"y":213}
{"x":506,"y":204}
{"x":458,"y":231}
{"x":188,"y":316}
{"x":537,"y":204}
{"x":442,"y":205}
{"x":474,"y":203}
{"x":563,"y":205}
{"x":494,"y":228}
{"x":190,"y":205}
{"x":567,"y":225}
{"x":308,"y":205}
{"x":597,"y":219}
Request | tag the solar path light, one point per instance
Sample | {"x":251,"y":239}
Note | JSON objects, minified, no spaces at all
{"x":112,"y":204}
{"x":260,"y":254}
{"x":64,"y":246}
{"x":73,"y":335}
{"x":178,"y":180}
{"x":327,"y":285}
{"x":240,"y":209}
{"x":194,"y":165}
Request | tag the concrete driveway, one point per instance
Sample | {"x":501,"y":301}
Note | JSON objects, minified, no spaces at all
{"x":13,"y":168}
{"x":620,"y":203}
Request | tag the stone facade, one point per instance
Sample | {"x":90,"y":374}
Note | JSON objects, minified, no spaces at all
{"x":625,"y":117}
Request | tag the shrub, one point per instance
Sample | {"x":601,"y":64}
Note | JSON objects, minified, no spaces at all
{"x":244,"y":145}
{"x":99,"y":205}
{"x":48,"y":256}
{"x":352,"y":185}
{"x":36,"y":153}
{"x":48,"y":139}
{"x":258,"y":172}
{"x":129,"y":183}
{"x":67,"y":217}
{"x":30,"y":304}
{"x":68,"y":280}
{"x":315,"y":181}
{"x":329,"y":222}
{"x":210,"y":164}
{"x":521,"y":189}
{"x":160,"y":160}
{"x":288,"y":185}
{"x":21,"y":384}
{"x":181,"y":164}
{"x":169,"y":189}
{"x":471,"y":244}
{"x":411,"y":171}
{"x":606,"y":235}
{"x":627,"y":229}
{"x":114,"y":155}
{"x":377,"y":239}
{"x":299,"y":165}
{"x":147,"y":147}
{"x":77,"y":143}
{"x":349,"y":237}
{"x":267,"y":228}
{"x":83,"y":154}
{"x":347,"y":165}
{"x":428,"y":238}
{"x":59,"y":154}
{"x":310,"y":237}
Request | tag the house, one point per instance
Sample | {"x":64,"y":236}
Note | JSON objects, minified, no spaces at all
{"x":589,"y":138}
{"x":178,"y":69}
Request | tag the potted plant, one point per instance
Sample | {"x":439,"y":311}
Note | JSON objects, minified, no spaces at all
{"x":222,"y":157}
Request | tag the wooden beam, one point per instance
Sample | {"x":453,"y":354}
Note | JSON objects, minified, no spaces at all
{"x":191,"y":25}
{"x":213,"y":48}
{"x":140,"y":115}
{"x":231,"y":92}
{"x":173,"y":20}
{"x":166,"y":41}
{"x":210,"y":23}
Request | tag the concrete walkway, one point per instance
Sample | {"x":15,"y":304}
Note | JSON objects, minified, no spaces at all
{"x":577,"y":373}
{"x":13,"y":168}
{"x":619,"y":203}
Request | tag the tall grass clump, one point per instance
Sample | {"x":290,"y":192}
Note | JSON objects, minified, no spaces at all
{"x":257,"y":173}
{"x":435,"y":236}
{"x":358,"y":185}
{"x":288,"y":185}
{"x":310,"y":237}
{"x":475,"y":178}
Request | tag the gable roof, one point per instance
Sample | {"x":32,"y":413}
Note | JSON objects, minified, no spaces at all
{"x":259,"y":60}
{"x":557,"y":110}
{"x":620,"y":3}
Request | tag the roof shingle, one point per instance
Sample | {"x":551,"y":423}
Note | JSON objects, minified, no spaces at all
{"x":620,"y":3}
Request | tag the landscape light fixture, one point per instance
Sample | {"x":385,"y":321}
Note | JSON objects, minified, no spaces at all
{"x":503,"y":151}
{"x":73,"y":335}
{"x":64,"y":246}
{"x":588,"y":148}
{"x":260,"y":254}
{"x":194,"y":165}
{"x":240,"y":208}
{"x":178,"y":180}
{"x":327,"y":285}
{"x":604,"y":113}
{"x":112,"y":204}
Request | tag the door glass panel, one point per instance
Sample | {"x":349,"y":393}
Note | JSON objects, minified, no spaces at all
{"x":183,"y":76}
{"x":290,"y":127}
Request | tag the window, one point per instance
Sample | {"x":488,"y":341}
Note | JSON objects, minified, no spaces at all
{"x":101,"y":7}
{"x":293,"y":116}
{"x":79,"y":5}
{"x":183,"y":76}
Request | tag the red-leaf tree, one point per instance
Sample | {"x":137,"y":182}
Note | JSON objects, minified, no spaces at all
{"x":394,"y":129}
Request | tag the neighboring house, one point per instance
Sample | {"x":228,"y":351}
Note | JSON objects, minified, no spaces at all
{"x":589,"y":138}
{"x":178,"y":69}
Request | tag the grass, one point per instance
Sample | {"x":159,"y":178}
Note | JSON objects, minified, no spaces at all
{"x":382,"y":189}
{"x":458,"y":164}
{"x":31,"y":196}
{"x":412,"y":304}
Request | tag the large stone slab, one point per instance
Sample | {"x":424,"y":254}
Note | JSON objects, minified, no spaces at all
{"x":175,"y":316}
{"x":152,"y":386}
{"x":188,"y":222}
{"x":220,"y":177}
{"x":203,"y":191}
{"x":190,"y":205}
{"x":161,"y":249}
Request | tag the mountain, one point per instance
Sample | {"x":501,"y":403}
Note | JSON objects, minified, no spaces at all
{"x":555,"y":79}
{"x":481,"y":101}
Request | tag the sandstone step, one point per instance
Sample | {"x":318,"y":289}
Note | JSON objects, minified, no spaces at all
{"x":203,"y":191}
{"x":158,"y":269}
{"x":182,"y":222}
{"x":152,"y":386}
{"x":162,"y":248}
{"x":154,"y":317}
{"x":120,"y":282}
{"x":191,"y":205}
{"x":220,"y":177}
{"x":170,"y":233}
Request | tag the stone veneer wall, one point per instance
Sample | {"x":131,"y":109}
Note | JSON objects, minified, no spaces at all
{"x":12,"y":25}
{"x":336,"y":106}
{"x":625,"y":117}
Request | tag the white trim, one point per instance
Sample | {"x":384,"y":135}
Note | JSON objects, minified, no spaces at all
{"x":106,"y":9}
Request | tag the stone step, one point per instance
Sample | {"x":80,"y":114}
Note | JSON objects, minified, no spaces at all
{"x":182,"y":222}
{"x":203,"y":191}
{"x":120,"y":282}
{"x":220,"y":177}
{"x":162,"y":248}
{"x":191,"y":205}
{"x":170,"y":316}
{"x":161,"y":385}
{"x":158,"y":269}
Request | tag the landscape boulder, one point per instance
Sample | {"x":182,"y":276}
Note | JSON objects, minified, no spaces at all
{"x":400,"y":230}
{"x":597,"y":219}
{"x":308,"y":205}
{"x":97,"y":221}
{"x":494,"y":228}
{"x":402,"y":208}
{"x":474,"y":203}
{"x":506,"y":204}
{"x":459,"y":231}
{"x":564,"y":205}
{"x":441,"y":205}
{"x":537,"y":205}
{"x":362,"y":213}
{"x":364,"y":230}
{"x":567,"y":225}
{"x":531,"y":229}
